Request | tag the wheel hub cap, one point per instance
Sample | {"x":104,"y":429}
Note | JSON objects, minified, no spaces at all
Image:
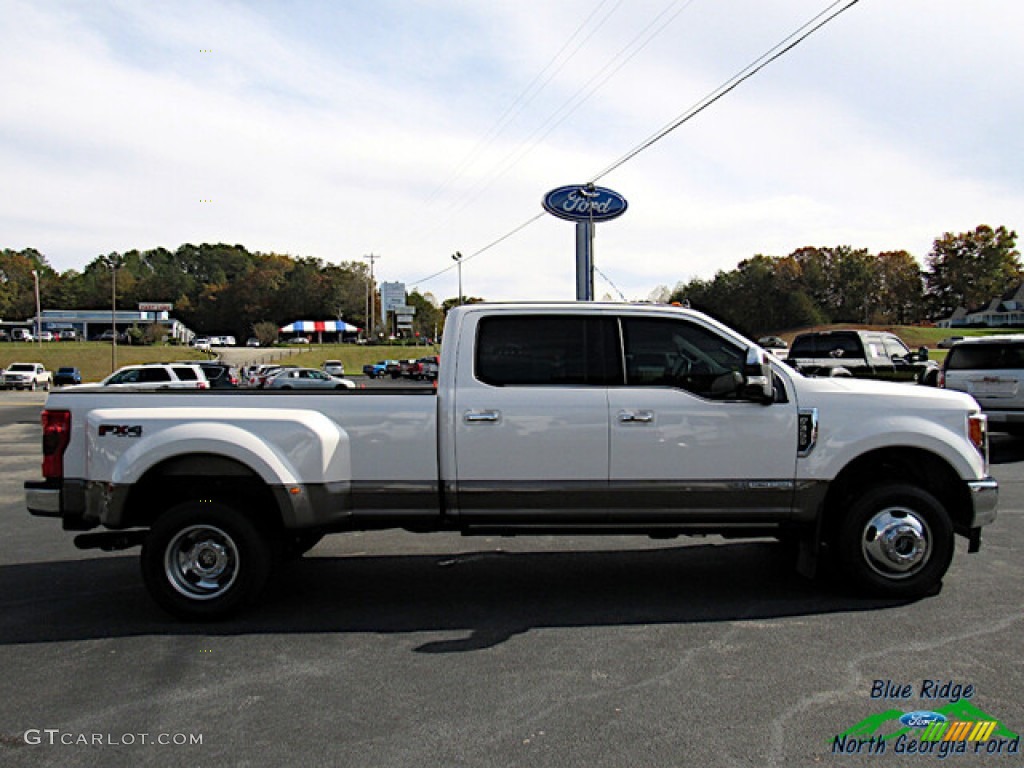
{"x":896,"y":542}
{"x":208,"y":559}
{"x":201,"y":562}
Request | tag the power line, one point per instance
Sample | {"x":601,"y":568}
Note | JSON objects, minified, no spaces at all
{"x":487,"y":247}
{"x":772,"y":54}
{"x":608,"y":280}
{"x":529,"y":93}
{"x":583,"y":94}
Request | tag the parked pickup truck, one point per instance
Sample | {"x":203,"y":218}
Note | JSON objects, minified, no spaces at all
{"x":26,"y":376}
{"x":863,"y":355}
{"x":547,"y":418}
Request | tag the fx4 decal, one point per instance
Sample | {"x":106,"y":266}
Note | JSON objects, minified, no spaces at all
{"x":121,"y":430}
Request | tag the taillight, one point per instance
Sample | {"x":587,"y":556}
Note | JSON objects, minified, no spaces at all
{"x":941,"y":381}
{"x":56,"y":436}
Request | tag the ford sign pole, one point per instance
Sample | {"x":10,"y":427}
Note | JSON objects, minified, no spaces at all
{"x":584,"y":261}
{"x":584,"y":204}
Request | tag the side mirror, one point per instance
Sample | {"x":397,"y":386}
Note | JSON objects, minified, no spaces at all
{"x":758,"y":380}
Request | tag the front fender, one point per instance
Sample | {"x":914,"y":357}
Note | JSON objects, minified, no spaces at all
{"x":836,"y":449}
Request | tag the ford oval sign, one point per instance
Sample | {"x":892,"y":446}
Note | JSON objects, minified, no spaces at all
{"x":584,"y":202}
{"x":922,"y":718}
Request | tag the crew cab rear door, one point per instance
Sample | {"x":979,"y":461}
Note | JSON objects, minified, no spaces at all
{"x":530,"y":416}
{"x":684,"y":444}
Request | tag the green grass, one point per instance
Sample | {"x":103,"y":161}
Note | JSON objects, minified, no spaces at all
{"x":92,"y":358}
{"x":355,"y":356}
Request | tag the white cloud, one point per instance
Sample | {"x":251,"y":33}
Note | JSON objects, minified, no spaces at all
{"x":335,"y":131}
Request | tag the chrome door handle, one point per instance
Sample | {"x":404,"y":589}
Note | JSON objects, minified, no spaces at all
{"x":481,"y":417}
{"x":642,"y":417}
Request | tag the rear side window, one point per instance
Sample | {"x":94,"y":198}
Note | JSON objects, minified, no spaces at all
{"x":548,"y":350}
{"x":825,"y":345}
{"x":981,"y":357}
{"x":184,"y":374}
{"x":153,"y":374}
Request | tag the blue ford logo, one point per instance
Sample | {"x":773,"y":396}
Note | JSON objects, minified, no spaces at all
{"x":922,"y":718}
{"x":584,"y":202}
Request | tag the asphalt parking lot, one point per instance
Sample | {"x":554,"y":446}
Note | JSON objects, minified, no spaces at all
{"x":394,"y":649}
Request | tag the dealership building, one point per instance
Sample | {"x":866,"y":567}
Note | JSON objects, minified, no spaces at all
{"x":90,"y":323}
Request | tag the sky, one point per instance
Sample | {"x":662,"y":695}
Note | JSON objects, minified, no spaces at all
{"x":414,"y":130}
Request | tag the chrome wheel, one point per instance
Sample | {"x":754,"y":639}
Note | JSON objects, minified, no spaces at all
{"x":201,"y":562}
{"x":895,"y":543}
{"x":203,"y":559}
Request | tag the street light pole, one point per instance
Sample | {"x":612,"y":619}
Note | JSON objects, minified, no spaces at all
{"x":457,"y":257}
{"x":112,"y":261}
{"x":113,"y":314}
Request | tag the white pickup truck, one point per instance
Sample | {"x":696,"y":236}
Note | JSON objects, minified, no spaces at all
{"x":546,"y":418}
{"x":26,"y":376}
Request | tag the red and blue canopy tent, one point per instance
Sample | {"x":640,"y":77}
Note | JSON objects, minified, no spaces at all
{"x":319,"y":327}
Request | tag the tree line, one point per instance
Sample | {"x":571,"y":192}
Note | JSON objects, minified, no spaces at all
{"x":227,"y":289}
{"x":817,"y":286}
{"x":215,"y":288}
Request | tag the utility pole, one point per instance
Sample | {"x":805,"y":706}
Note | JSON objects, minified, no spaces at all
{"x":39,"y":315}
{"x":370,"y":290}
{"x":457,"y":257}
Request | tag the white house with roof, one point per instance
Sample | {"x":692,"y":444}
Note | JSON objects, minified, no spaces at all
{"x":1003,"y":311}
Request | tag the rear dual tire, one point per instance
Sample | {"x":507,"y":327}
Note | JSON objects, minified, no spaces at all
{"x":205,"y":561}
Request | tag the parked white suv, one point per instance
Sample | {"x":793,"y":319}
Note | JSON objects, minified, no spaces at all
{"x":333,"y":368}
{"x":991,"y":369}
{"x":26,"y":376}
{"x":157,"y":376}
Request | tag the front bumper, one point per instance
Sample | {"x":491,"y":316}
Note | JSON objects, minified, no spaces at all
{"x":984,"y":499}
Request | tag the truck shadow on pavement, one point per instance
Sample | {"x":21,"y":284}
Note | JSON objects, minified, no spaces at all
{"x":486,"y":597}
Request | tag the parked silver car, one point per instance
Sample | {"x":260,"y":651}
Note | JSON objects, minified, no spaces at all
{"x":306,"y":378}
{"x":991,"y":369}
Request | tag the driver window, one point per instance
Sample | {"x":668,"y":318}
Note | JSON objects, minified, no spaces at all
{"x":895,"y":348}
{"x":676,"y":353}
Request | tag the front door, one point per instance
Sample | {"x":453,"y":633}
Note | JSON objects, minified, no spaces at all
{"x":684,"y":445}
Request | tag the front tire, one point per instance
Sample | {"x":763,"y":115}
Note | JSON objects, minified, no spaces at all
{"x":896,"y":541}
{"x":204,"y":560}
